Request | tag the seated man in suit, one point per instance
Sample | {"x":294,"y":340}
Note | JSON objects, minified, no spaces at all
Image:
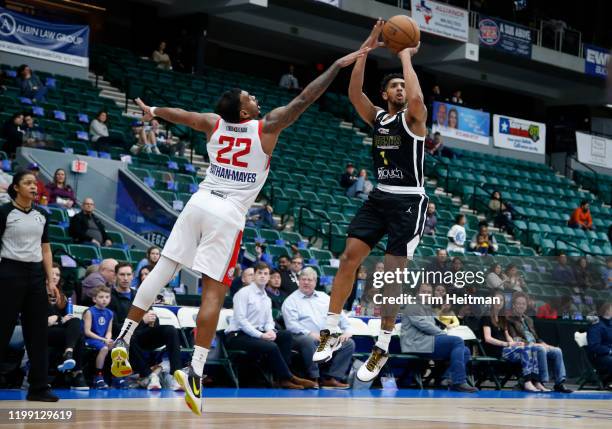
{"x":599,"y":337}
{"x":305,"y":313}
{"x":420,"y":335}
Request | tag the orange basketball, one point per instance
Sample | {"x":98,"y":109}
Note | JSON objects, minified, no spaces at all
{"x":401,"y":32}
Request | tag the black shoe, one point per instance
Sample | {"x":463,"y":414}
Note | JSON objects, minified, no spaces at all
{"x":77,"y":381}
{"x":562,"y":389}
{"x":464,"y":387}
{"x":192,"y":386}
{"x":45,"y":395}
{"x":68,"y":364}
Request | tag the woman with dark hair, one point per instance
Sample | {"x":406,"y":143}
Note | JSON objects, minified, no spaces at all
{"x":65,"y":332}
{"x":495,"y":277}
{"x":60,"y":192}
{"x":584,"y":276}
{"x":499,"y":344}
{"x":99,"y":135}
{"x":453,"y":118}
{"x":514,"y":280}
{"x":143,"y":273}
{"x":501,"y":211}
{"x":25,"y":262}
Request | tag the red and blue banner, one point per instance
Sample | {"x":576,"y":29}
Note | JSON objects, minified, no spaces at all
{"x":505,"y":36}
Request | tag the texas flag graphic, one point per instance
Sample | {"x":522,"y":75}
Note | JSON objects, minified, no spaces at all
{"x":516,"y":128}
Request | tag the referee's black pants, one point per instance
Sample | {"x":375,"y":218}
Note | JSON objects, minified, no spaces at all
{"x":277,"y":352}
{"x":23,"y":291}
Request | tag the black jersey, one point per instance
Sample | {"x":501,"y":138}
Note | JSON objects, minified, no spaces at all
{"x":397,"y":153}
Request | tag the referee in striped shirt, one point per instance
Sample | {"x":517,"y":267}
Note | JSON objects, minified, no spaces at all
{"x":25,"y":263}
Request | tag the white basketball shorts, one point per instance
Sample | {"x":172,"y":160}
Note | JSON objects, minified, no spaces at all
{"x":206,"y":236}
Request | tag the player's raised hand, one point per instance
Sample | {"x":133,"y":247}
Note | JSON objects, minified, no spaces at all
{"x":409,"y":51}
{"x":373,"y":41}
{"x":349,"y":59}
{"x":146,"y":110}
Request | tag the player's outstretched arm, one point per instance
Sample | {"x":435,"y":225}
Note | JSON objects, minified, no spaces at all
{"x":365,"y":108}
{"x":204,"y":122}
{"x":416,"y":115}
{"x":282,"y":117}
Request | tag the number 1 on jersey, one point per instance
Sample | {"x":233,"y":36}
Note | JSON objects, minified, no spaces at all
{"x":235,"y":161}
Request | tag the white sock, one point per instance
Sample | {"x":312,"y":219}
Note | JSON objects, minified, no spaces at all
{"x":333,"y":320}
{"x":384,"y":338}
{"x":198,"y":359}
{"x":128,"y":328}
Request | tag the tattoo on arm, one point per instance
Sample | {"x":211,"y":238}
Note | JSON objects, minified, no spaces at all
{"x":282,"y":117}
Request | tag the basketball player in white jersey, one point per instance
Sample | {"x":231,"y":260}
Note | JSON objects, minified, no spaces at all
{"x":206,"y":236}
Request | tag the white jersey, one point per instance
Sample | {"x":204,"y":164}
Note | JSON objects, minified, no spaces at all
{"x":238,"y":165}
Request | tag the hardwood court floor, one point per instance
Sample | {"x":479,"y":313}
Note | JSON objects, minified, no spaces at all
{"x":273,"y":409}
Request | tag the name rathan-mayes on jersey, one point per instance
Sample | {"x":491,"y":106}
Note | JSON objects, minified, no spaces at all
{"x":238,"y":165}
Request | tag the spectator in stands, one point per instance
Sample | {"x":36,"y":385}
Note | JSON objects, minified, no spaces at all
{"x":433,"y":146}
{"x":65,"y":333}
{"x":421,"y":335}
{"x":42,"y":196}
{"x":251,"y":329}
{"x":13,"y":132}
{"x":446,"y":315}
{"x":273,"y":289}
{"x":149,"y":334}
{"x":348,"y":178}
{"x":521,"y":329}
{"x":498,"y":343}
{"x":441,"y":264}
{"x":261,"y":217}
{"x":548,"y":310}
{"x":60,"y":192}
{"x":34,"y":135}
{"x":5,"y":181}
{"x":453,"y":118}
{"x":261,"y":254}
{"x":502,"y":211}
{"x":606,"y":274}
{"x":104,"y":276}
{"x":599,"y":337}
{"x":456,"y":97}
{"x":98,"y":328}
{"x":581,"y":217}
{"x":430,"y":220}
{"x":86,"y":227}
{"x":245,"y":279}
{"x":495,"y":278}
{"x":288,"y":80}
{"x":435,"y":95}
{"x":161,"y":57}
{"x":283,"y":262}
{"x":584,"y":276}
{"x":153,"y":255}
{"x":362,"y":187}
{"x":99,"y":135}
{"x":456,"y":235}
{"x":439,"y":291}
{"x":164,"y":142}
{"x":145,"y":141}
{"x":562,"y":272}
{"x":305,"y":313}
{"x":483,"y":242}
{"x":142,"y":274}
{"x":30,"y":85}
{"x":514,"y":280}
{"x":291,"y":277}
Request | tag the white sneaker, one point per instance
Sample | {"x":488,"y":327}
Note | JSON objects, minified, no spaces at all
{"x":369,"y":370}
{"x":154,"y":383}
{"x":170,"y":382}
{"x":328,"y":345}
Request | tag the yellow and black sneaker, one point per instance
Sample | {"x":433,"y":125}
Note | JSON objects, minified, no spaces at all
{"x":119,"y":356}
{"x":369,"y":370}
{"x":330,"y":342}
{"x":192,"y":386}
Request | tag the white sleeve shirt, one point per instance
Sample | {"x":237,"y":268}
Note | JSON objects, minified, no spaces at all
{"x":252,"y":312}
{"x":304,"y":314}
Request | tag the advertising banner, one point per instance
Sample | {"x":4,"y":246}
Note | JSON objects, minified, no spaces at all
{"x":441,"y":19}
{"x":22,"y":35}
{"x":596,"y":61}
{"x":594,"y":150}
{"x":519,"y":134}
{"x":505,"y":36}
{"x":462,"y":123}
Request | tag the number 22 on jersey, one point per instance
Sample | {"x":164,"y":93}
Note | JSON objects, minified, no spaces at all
{"x":232,"y":143}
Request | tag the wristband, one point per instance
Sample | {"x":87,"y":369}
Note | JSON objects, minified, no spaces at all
{"x":152,"y":110}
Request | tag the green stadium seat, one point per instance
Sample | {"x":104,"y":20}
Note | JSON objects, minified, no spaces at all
{"x":84,"y":253}
{"x":114,"y":253}
{"x":58,"y":234}
{"x":137,"y":255}
{"x":249,"y":234}
{"x":270,"y":235}
{"x":58,"y":216}
{"x":291,"y":237}
{"x":116,"y":237}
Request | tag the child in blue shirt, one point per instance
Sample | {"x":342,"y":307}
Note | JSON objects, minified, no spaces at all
{"x":98,"y":327}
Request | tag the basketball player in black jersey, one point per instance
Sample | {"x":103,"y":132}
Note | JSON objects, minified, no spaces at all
{"x":395,"y":208}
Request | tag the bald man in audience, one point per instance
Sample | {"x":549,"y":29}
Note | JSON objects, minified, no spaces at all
{"x":104,"y":276}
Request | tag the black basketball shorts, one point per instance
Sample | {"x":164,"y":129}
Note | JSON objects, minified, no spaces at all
{"x":400,"y":216}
